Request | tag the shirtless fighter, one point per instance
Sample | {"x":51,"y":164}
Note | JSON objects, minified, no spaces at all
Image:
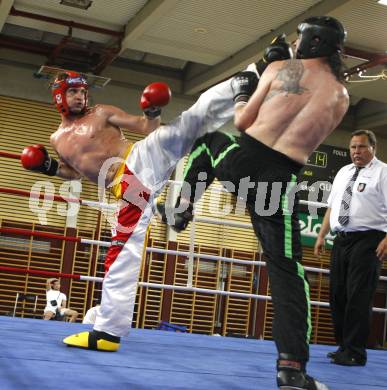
{"x":297,"y":104}
{"x":89,"y":143}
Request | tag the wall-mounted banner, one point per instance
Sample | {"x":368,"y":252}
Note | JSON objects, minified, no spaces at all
{"x":310,"y":227}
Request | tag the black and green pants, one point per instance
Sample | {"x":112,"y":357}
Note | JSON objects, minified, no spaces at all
{"x":206,"y":162}
{"x":273,"y":206}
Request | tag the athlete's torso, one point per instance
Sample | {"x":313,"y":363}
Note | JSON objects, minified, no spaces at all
{"x":85,"y":143}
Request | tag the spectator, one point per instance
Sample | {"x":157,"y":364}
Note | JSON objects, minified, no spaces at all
{"x":56,"y":303}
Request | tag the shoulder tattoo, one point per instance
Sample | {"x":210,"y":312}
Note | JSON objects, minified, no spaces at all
{"x":290,"y":74}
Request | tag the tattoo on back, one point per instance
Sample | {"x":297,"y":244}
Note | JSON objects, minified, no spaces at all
{"x":291,"y":74}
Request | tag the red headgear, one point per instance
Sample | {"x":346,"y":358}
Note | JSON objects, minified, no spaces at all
{"x":61,"y":85}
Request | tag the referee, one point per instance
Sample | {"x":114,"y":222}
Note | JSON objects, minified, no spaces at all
{"x":357,"y":213}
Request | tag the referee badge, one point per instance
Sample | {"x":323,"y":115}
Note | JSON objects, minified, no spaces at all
{"x":361,"y":187}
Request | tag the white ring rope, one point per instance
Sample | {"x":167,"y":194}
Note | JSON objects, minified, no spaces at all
{"x":101,"y":205}
{"x":244,"y":225}
{"x":210,"y":257}
{"x":220,"y":188}
{"x":225,"y":259}
{"x":95,"y":242}
{"x":231,"y":294}
{"x":214,"y":292}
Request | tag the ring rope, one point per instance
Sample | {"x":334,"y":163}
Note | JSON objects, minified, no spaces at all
{"x":9,"y":155}
{"x":58,"y":198}
{"x":244,"y":225}
{"x":161,"y":286}
{"x":27,"y":232}
{"x":220,"y":188}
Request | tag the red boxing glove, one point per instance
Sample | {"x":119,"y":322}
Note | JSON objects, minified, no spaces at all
{"x":35,"y":158}
{"x":155,"y":96}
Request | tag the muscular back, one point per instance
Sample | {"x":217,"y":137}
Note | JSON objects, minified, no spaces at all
{"x":298,"y":103}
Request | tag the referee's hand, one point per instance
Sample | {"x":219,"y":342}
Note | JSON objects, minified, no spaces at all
{"x":319,"y":246}
{"x":381,"y":250}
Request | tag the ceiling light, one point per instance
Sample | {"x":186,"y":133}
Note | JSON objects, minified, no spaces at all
{"x":83,"y":4}
{"x":383,"y":2}
{"x":200,"y":30}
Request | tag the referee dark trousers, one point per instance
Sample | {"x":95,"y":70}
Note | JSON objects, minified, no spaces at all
{"x":354,"y":276}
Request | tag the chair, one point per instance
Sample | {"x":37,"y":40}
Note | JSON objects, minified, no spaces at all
{"x":27,"y":298}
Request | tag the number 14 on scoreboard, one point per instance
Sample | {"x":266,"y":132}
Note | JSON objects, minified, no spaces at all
{"x":318,"y":159}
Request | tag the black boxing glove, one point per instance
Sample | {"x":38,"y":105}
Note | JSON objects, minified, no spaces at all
{"x":278,"y":50}
{"x":243,"y":86}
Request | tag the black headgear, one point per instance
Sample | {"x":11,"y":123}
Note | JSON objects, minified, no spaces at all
{"x":278,"y":50}
{"x":320,"y":36}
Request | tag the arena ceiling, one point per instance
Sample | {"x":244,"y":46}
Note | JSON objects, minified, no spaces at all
{"x":192,"y":44}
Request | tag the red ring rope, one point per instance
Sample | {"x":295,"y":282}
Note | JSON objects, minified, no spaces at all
{"x":27,"y":232}
{"x":9,"y":155}
{"x":39,"y":195}
{"x":37,"y":272}
{"x":59,"y":198}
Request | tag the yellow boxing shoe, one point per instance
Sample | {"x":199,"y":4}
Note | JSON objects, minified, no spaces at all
{"x":99,"y":341}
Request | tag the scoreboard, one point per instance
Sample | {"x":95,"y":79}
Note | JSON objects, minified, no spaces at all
{"x":316,"y":177}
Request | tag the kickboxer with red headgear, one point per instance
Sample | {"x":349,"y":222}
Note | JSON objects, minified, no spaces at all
{"x":90,"y":143}
{"x":62,"y":83}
